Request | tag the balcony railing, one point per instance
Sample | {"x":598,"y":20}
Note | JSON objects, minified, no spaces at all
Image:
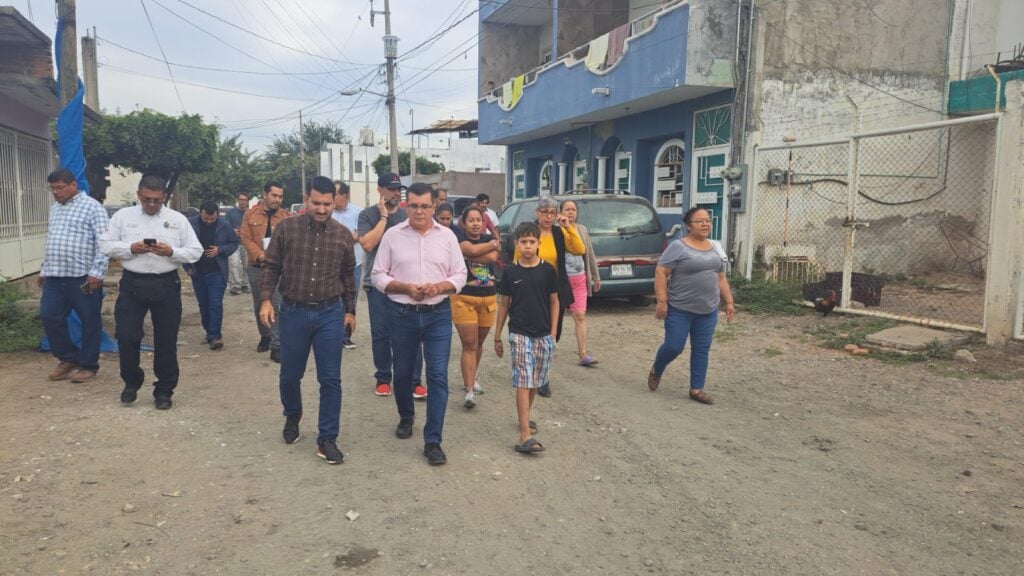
{"x":600,"y":56}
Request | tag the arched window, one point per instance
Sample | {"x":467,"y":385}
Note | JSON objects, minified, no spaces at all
{"x":668,"y":174}
{"x":546,"y":180}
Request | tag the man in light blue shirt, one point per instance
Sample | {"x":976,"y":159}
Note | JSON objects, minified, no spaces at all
{"x":347,"y":213}
{"x":72,"y":277}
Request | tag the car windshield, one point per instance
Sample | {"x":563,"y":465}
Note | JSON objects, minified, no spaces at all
{"x":623,"y":218}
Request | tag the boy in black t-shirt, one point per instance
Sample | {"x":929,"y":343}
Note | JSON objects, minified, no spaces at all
{"x":528,"y":296}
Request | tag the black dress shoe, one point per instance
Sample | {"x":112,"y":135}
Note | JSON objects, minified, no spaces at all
{"x":404,"y":429}
{"x":162,"y":402}
{"x":545,"y":390}
{"x":435,"y":456}
{"x":129,"y":394}
{"x":264,"y":344}
{"x":275,"y":355}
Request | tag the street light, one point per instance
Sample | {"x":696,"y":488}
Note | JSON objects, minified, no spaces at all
{"x":389,"y":101}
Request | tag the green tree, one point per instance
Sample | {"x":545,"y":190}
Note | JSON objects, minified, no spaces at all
{"x":382,"y":165}
{"x":234,"y":170}
{"x":152,"y":143}
{"x":282,"y":161}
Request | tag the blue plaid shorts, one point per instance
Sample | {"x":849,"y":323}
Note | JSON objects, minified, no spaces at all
{"x":531,"y":360}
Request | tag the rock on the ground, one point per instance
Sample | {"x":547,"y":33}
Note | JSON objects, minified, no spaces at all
{"x":965,"y":355}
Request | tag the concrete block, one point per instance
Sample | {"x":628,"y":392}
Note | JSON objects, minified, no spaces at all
{"x":914,"y":337}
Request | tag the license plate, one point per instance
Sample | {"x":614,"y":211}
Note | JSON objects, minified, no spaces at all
{"x":620,"y":270}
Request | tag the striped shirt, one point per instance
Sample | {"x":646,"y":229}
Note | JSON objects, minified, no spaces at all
{"x":72,"y":243}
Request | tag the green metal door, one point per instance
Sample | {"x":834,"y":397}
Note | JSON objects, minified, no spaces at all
{"x":709,"y":192}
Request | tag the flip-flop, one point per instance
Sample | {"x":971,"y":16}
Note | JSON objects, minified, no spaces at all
{"x":587,"y":360}
{"x":529,"y":447}
{"x":533,"y":427}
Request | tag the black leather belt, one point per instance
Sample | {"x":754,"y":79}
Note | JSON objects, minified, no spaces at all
{"x":129,"y":273}
{"x":424,"y":307}
{"x":312,"y":305}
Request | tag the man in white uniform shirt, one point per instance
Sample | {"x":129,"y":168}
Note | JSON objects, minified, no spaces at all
{"x":151,"y":241}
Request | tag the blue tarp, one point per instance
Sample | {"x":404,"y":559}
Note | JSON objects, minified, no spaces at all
{"x":107,"y":343}
{"x":69,"y":125}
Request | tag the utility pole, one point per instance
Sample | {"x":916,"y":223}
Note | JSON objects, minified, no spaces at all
{"x":412,"y":144}
{"x":92,"y":89}
{"x":302,"y":152}
{"x":390,"y":54}
{"x":68,"y":51}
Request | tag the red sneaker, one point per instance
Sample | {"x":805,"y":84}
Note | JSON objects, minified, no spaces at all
{"x":383,"y":389}
{"x":419,"y":392}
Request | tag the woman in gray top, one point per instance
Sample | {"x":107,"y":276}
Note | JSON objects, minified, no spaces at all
{"x":689,"y":282}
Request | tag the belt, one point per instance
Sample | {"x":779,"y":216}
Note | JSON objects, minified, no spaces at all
{"x":312,"y":305}
{"x":423,"y":307}
{"x":171,"y":274}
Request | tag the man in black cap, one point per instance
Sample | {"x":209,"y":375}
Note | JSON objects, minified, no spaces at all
{"x":373,"y":222}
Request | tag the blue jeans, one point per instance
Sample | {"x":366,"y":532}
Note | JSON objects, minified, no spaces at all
{"x":699,"y":328}
{"x":209,"y":289}
{"x":431,"y":333}
{"x":323,"y":330}
{"x":60,"y":297}
{"x":381,"y":333}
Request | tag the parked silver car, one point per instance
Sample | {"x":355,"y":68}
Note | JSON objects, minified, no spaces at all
{"x":627,"y":235}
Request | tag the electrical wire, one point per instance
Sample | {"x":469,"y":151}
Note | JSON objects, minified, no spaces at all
{"x":162,"y":53}
{"x":196,"y":85}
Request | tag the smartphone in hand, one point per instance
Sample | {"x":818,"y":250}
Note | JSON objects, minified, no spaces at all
{"x":149,"y":241}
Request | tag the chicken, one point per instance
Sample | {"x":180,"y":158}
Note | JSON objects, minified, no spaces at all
{"x":826,"y":303}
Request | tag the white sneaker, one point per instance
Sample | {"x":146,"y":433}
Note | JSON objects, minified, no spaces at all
{"x":476,"y":387}
{"x":470,"y":400}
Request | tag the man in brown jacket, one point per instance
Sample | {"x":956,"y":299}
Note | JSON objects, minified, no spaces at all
{"x":257,"y":226}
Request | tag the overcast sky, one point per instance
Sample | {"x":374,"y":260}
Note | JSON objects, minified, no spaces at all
{"x":323,"y":47}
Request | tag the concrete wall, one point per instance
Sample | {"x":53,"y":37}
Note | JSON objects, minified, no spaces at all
{"x":810,"y":55}
{"x":506,"y":51}
{"x":463,"y":155}
{"x":981,"y":29}
{"x":18,"y":117}
{"x":711,"y":43}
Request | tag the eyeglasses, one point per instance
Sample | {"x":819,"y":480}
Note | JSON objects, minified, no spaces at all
{"x":419,"y":207}
{"x":547,"y":212}
{"x":151,"y":201}
{"x":705,"y":221}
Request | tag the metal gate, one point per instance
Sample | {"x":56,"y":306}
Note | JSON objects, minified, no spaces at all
{"x":895,"y":221}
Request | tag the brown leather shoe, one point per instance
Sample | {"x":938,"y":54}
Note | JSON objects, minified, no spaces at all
{"x":82,"y":376}
{"x":216,"y":344}
{"x":653,"y":380}
{"x":62,"y":370}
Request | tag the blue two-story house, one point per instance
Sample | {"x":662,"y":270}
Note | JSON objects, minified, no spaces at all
{"x":625,"y":95}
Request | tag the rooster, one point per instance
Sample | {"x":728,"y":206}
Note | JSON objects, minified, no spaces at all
{"x":826,"y":303}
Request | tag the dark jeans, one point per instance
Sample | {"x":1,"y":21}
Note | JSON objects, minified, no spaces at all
{"x":700,"y":328}
{"x":209,"y":289}
{"x":60,"y":297}
{"x":380,"y":331}
{"x":160,"y":296}
{"x":430,"y":332}
{"x":323,"y":330}
{"x":255,"y":284}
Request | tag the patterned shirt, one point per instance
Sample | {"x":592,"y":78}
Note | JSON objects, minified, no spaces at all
{"x":72,"y":245}
{"x":314,"y":262}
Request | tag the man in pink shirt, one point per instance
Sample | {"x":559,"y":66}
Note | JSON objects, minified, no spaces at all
{"x":418,"y":265}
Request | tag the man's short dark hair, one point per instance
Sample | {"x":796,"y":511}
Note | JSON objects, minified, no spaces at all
{"x":61,"y":175}
{"x":243,"y":193}
{"x":153,"y":182}
{"x":272,"y":184}
{"x":421,"y":188}
{"x":527,"y":229}
{"x":482,"y":197}
{"x":343,"y":188}
{"x":210,"y":207}
{"x":444,"y":207}
{"x":322,"y":184}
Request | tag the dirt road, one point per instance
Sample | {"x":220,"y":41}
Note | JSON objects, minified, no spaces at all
{"x":811,"y":462}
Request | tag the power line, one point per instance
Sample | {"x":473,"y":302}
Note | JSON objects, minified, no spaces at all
{"x":226,"y":70}
{"x":205,"y":86}
{"x":162,"y":53}
{"x":262,"y":37}
{"x":437,"y":36}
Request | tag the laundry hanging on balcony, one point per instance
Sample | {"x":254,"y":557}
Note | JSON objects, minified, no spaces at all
{"x":512,"y":91}
{"x":616,"y":44}
{"x":597,"y":52}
